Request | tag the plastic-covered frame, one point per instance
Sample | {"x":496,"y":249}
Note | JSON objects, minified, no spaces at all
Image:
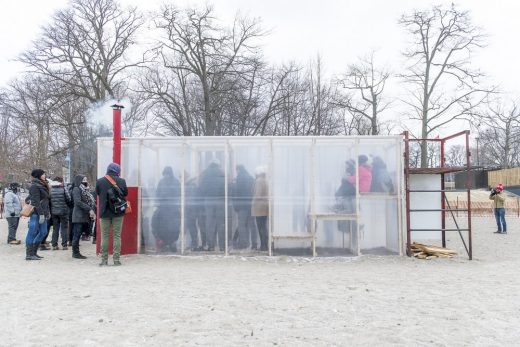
{"x":303,"y":176}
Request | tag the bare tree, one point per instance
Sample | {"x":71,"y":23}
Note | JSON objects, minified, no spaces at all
{"x":500,"y":138}
{"x":456,"y":156}
{"x":193,"y":42}
{"x":366,"y":84}
{"x":84,"y":48}
{"x":443,"y":85}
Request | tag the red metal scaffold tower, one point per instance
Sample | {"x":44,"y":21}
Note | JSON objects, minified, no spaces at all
{"x":446,"y":207}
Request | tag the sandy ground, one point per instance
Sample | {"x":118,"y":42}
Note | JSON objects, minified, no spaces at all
{"x":239,"y":301}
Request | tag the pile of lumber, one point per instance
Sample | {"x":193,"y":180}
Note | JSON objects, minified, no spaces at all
{"x":428,"y":252}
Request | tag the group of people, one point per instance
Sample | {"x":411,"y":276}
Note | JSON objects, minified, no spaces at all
{"x":204,"y":209}
{"x":248,"y":196}
{"x":71,"y":211}
{"x":52,"y":204}
{"x":371,"y":178}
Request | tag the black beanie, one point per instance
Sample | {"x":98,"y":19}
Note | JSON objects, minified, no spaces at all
{"x":37,"y":173}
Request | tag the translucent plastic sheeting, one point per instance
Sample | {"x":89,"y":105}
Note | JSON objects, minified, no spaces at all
{"x":248,"y":161}
{"x":252,"y":194}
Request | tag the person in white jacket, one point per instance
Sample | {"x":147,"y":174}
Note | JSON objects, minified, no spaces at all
{"x":13,"y":207}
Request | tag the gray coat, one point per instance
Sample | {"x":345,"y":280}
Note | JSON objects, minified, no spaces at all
{"x":81,"y":211}
{"x":12,"y":204}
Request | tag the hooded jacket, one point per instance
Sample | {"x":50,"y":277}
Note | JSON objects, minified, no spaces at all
{"x":169,"y":189}
{"x":260,"y":203}
{"x":12,"y":204}
{"x":39,"y":197}
{"x":212,"y":183}
{"x":242,"y":189}
{"x":80,"y":213}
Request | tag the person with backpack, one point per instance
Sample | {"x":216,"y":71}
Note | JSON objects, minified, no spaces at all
{"x":111,"y":191}
{"x":83,"y":211}
{"x":61,"y":202}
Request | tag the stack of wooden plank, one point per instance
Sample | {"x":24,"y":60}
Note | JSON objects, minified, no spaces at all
{"x":428,"y":252}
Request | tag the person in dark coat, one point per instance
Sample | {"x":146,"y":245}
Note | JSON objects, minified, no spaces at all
{"x":166,"y":219}
{"x":69,"y":187}
{"x":346,"y":196}
{"x":108,"y":217}
{"x":39,"y":197}
{"x":82,"y":213}
{"x":212,"y":191}
{"x":192,"y":211}
{"x":381,"y":180}
{"x":242,"y":197}
{"x":60,"y":202}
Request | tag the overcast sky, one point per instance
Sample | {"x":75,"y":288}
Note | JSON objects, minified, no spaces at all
{"x":339,"y":30}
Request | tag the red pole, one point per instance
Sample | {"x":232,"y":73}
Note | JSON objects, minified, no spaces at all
{"x":468,"y":187}
{"x":443,"y":198}
{"x":116,"y":116}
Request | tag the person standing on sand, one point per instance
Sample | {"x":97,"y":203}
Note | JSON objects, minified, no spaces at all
{"x":260,"y":206}
{"x":499,"y":206}
{"x":13,"y":207}
{"x":83,"y":212}
{"x":60,"y":202}
{"x":39,"y":197}
{"x":110,"y":217}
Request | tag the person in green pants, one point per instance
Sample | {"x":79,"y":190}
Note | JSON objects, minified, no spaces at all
{"x":111,"y":191}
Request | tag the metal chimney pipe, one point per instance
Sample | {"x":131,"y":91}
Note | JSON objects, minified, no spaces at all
{"x":116,"y":116}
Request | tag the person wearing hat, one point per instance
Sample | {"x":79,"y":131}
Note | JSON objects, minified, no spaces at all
{"x":13,"y":207}
{"x":365,"y":175}
{"x":108,"y":216}
{"x":39,"y":196}
{"x":499,"y":201}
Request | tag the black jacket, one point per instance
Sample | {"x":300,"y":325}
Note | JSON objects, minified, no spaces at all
{"x":242,"y":190}
{"x":40,"y":198}
{"x":212,"y":183}
{"x":60,"y":201}
{"x":169,"y":191}
{"x":102,"y":188}
{"x":381,"y":180}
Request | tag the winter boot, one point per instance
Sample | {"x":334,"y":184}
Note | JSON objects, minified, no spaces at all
{"x":35,"y":251}
{"x":76,"y":254}
{"x":44,"y":247}
{"x":29,"y":253}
